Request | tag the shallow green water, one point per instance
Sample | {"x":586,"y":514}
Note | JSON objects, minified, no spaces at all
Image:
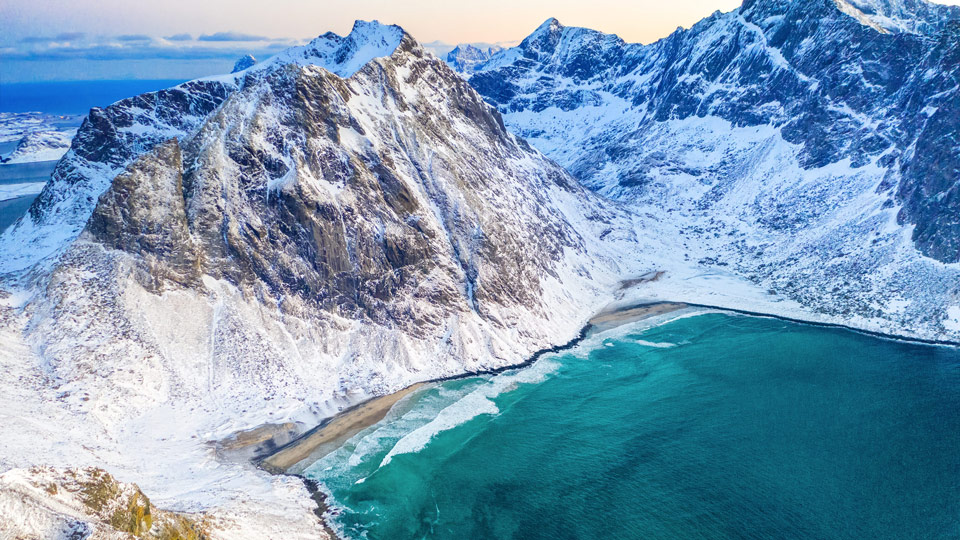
{"x":713,"y":426}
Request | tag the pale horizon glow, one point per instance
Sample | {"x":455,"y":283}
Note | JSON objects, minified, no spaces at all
{"x":120,"y":25}
{"x":427,"y":20}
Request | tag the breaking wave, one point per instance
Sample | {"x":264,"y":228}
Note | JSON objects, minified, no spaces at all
{"x":477,"y":402}
{"x":653,"y":344}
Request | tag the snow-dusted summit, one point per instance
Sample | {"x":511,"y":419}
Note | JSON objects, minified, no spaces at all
{"x":466,"y":58}
{"x":46,"y":145}
{"x":110,"y":138}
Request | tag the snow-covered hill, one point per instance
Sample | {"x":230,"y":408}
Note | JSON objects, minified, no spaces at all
{"x":48,"y":145}
{"x":791,"y":143}
{"x":243,"y":63}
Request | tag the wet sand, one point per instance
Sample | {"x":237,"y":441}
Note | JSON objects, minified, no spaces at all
{"x":610,"y":319}
{"x":327,"y":437}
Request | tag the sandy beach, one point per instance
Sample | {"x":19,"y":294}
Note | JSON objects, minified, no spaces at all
{"x":616,"y":317}
{"x":323,"y":439}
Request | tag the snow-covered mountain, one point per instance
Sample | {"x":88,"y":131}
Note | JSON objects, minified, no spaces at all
{"x":243,"y":63}
{"x":339,"y":221}
{"x":466,"y":58}
{"x":809,"y":148}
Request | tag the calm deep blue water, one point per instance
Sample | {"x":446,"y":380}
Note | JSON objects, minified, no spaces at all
{"x":714,"y":426}
{"x":72,"y":97}
{"x":16,"y":173}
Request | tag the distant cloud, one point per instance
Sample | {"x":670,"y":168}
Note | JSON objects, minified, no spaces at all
{"x":71,"y":47}
{"x":133,"y":50}
{"x":65,"y":36}
{"x":134,"y":37}
{"x":231,"y":36}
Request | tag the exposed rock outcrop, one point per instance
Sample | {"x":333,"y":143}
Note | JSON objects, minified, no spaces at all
{"x":44,"y":503}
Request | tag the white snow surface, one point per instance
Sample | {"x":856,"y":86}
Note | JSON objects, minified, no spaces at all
{"x":13,"y":191}
{"x":47,"y":145}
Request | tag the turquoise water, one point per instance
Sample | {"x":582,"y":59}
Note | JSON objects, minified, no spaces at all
{"x":714,"y":426}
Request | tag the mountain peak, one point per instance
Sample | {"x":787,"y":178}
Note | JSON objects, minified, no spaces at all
{"x":345,"y":55}
{"x":547,"y":28}
{"x":551,"y":24}
{"x":243,"y":63}
{"x":545,"y":37}
{"x":467,"y":57}
{"x":367,"y":30}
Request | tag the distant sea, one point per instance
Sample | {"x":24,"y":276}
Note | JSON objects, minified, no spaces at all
{"x":73,"y":97}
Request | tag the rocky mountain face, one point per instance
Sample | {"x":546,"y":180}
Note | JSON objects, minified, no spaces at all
{"x":466,"y":58}
{"x":390,"y":199}
{"x":284,"y":193}
{"x":799,"y":141}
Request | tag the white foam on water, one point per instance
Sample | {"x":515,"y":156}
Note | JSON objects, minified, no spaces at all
{"x":476,"y":403}
{"x":662,"y":345}
{"x":609,"y":337}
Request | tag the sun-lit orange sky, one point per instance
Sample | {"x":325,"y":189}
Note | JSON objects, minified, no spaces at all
{"x":446,"y":20}
{"x":57,"y":39}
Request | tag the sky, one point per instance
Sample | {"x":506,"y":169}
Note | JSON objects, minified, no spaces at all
{"x":44,"y":40}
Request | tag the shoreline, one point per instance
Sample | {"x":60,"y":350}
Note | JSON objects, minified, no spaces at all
{"x":606,"y":320}
{"x":331,"y":433}
{"x":334,"y":431}
{"x":837,"y":326}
